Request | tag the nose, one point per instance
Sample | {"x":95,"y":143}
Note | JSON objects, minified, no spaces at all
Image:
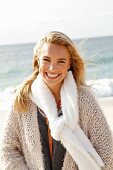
{"x":52,"y":66}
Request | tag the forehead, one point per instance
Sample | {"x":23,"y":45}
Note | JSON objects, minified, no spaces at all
{"x":50,"y":49}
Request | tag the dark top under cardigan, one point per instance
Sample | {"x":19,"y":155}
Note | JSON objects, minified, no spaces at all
{"x":58,"y":151}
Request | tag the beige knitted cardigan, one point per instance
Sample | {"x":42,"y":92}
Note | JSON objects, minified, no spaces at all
{"x":21,"y":145}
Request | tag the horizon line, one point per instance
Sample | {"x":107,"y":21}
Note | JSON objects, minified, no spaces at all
{"x":23,"y":43}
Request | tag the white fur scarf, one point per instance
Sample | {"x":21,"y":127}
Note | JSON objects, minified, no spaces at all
{"x":65,"y":128}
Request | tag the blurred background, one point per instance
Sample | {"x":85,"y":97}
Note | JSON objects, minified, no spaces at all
{"x":88,"y":23}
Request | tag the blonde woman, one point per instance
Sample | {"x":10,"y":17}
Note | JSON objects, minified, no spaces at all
{"x":55,"y":122}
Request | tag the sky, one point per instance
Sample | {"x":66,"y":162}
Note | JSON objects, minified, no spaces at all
{"x":25,"y":21}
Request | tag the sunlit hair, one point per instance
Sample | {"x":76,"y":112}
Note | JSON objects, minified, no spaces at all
{"x":77,"y":67}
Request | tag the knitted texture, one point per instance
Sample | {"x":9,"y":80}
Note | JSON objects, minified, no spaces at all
{"x":66,"y":128}
{"x":21,"y":146}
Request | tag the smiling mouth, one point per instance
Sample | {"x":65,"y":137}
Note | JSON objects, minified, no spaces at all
{"x":52,"y":75}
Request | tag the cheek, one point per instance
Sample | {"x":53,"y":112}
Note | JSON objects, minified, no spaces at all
{"x":67,"y":66}
{"x":43,"y":65}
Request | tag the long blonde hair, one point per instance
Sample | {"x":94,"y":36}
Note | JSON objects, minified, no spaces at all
{"x":77,"y":67}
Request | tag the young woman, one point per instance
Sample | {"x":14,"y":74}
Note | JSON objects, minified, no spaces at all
{"x":55,"y":122}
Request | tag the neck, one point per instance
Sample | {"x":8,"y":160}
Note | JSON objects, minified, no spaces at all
{"x":56,"y":93}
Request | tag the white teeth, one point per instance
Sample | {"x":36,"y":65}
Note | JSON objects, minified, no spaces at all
{"x":52,"y":75}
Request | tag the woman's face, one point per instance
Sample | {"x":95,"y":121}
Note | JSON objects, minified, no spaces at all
{"x":54,"y":62}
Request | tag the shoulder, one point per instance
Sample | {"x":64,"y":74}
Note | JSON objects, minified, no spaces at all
{"x":14,"y":120}
{"x":31,"y":107}
{"x":85,"y":93}
{"x":90,"y":111}
{"x":88,"y":104}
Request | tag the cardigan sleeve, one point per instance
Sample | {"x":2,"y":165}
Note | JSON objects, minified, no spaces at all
{"x":98,"y":131}
{"x":11,"y":157}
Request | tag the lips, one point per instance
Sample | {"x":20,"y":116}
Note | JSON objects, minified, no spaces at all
{"x":52,"y":75}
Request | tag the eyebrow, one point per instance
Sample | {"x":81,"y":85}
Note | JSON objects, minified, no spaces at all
{"x":62,"y":59}
{"x":58,"y":59}
{"x":46,"y":57}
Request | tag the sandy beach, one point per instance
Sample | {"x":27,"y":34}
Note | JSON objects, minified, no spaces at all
{"x":106,"y":105}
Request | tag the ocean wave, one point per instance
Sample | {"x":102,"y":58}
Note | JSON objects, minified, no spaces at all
{"x":7,"y":93}
{"x":6,"y":99}
{"x":102,"y":87}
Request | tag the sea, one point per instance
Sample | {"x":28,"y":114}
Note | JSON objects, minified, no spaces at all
{"x":16,"y":65}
